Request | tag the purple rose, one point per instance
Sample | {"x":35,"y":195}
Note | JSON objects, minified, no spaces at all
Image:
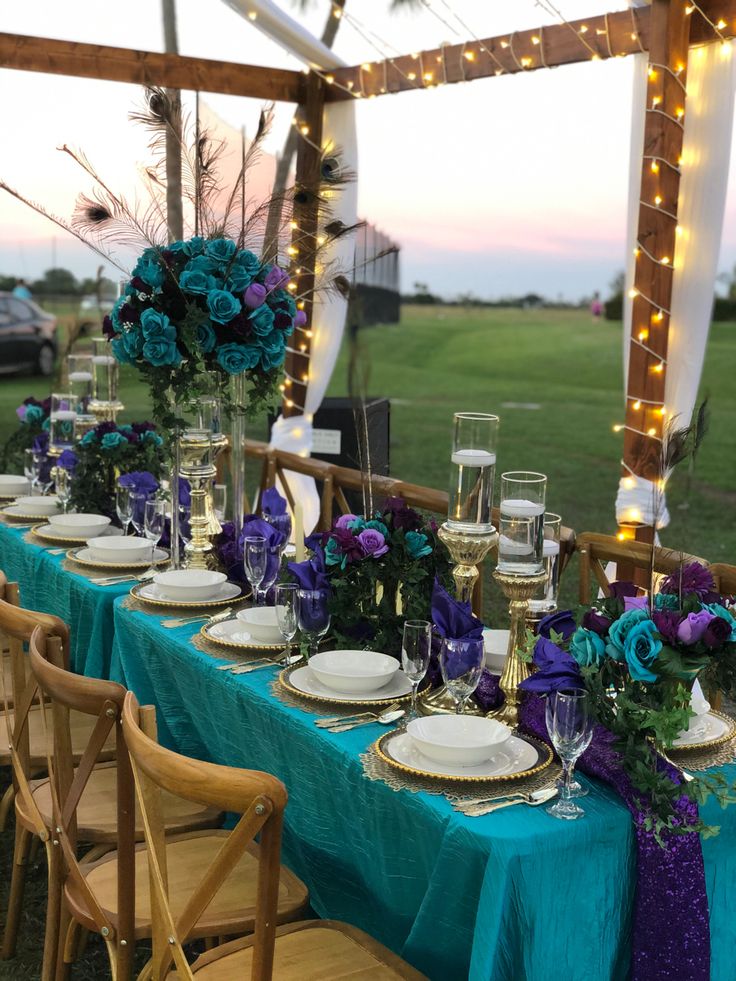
{"x":620,"y":590}
{"x":667,"y":622}
{"x":691,"y":578}
{"x":373,"y":543}
{"x":635,"y":603}
{"x":108,"y":328}
{"x":692,"y":628}
{"x":300,"y":318}
{"x":561,"y":622}
{"x":402,"y":516}
{"x":597,"y":622}
{"x":717,"y":633}
{"x":21,"y":412}
{"x":255,"y":295}
{"x":345,"y":543}
{"x":276,"y":279}
{"x":344,"y":521}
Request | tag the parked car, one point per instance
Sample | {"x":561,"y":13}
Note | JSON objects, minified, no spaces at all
{"x":27,"y":336}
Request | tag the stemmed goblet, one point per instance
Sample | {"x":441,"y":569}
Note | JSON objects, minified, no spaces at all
{"x":138,"y":511}
{"x":285,"y":606}
{"x":416,"y":647}
{"x":63,"y":486}
{"x":155,"y":518}
{"x":461,"y":663}
{"x":29,"y":467}
{"x":313,"y":616}
{"x":255,"y":560}
{"x":124,"y":506}
{"x":570,"y":729}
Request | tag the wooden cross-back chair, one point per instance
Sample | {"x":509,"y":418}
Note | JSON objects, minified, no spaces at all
{"x":304,"y":951}
{"x":597,"y":550}
{"x":725,"y":578}
{"x":108,"y":893}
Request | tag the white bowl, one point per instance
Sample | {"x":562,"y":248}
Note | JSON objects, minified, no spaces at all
{"x":79,"y":525}
{"x":261,"y":624}
{"x":38,"y":505}
{"x":189,"y":584}
{"x":120,"y":549}
{"x":465,"y":740}
{"x":353,"y":672}
{"x":11,"y":485}
{"x":495,"y":644}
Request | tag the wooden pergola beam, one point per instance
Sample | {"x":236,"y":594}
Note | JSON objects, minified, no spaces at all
{"x":611,"y":35}
{"x":99,"y":61}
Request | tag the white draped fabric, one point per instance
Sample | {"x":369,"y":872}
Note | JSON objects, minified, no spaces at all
{"x":711,"y":84}
{"x":329,"y":309}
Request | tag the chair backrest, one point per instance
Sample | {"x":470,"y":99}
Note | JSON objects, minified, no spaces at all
{"x":597,"y":550}
{"x":102,"y":700}
{"x":725,"y":578}
{"x":258,"y":797}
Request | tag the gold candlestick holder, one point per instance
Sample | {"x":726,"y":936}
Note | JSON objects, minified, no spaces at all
{"x":519,"y":590}
{"x":467,"y":552}
{"x":105,"y":411}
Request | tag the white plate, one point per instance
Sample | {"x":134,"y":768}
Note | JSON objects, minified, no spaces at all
{"x":708,"y":728}
{"x":13,"y":485}
{"x":230,"y":633}
{"x":304,"y":680}
{"x":150,"y":591}
{"x":516,"y":756}
{"x":15,"y":511}
{"x":85,"y":556}
{"x":50,"y":533}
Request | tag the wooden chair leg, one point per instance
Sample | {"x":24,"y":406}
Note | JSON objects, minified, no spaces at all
{"x":67,"y":939}
{"x":6,"y":803}
{"x":53,"y":913}
{"x":17,"y":886}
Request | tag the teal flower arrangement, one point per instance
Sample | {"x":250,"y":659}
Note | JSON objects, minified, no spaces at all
{"x":33,"y":419}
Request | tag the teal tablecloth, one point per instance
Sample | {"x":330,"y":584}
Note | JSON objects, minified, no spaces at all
{"x":514,"y":895}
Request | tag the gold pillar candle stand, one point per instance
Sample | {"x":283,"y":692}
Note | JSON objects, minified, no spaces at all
{"x":467,"y":552}
{"x":196,"y":464}
{"x":519,"y":590}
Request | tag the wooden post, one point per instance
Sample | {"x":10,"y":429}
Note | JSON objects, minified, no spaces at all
{"x":669,"y":30}
{"x":304,"y":240}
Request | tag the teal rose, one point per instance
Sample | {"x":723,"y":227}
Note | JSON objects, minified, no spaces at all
{"x":281,"y":300}
{"x":206,"y":338}
{"x":619,"y":631}
{"x":111,"y":440}
{"x":151,"y":437}
{"x":155,"y":324}
{"x":161,"y":351}
{"x":239,"y":279}
{"x":248,"y":261}
{"x":194,"y":246}
{"x":236,"y":358}
{"x":334,"y":554}
{"x":119,"y":351}
{"x":133,"y":343}
{"x":261,"y":320}
{"x":720,"y":611}
{"x":641,"y":650}
{"x":666,"y":601}
{"x":417,"y":544}
{"x":220,"y":249}
{"x":587,"y":647}
{"x":34,"y":414}
{"x":377,"y":526}
{"x":197,"y":281}
{"x":150,"y":271}
{"x":223,"y":306}
{"x":89,"y":438}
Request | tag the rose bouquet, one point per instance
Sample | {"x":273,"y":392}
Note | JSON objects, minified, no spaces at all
{"x":638,"y":661}
{"x":381,"y":571}
{"x":105,"y":453}
{"x":33,"y":417}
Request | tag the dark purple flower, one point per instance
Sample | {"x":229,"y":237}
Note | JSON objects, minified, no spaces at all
{"x":667,"y":622}
{"x":556,"y":669}
{"x":372,"y":543}
{"x":562,"y":622}
{"x":691,"y":578}
{"x":620,"y":590}
{"x":140,"y":285}
{"x":597,"y":622}
{"x":105,"y":427}
{"x":401,"y":516}
{"x":717,"y":633}
{"x":107,"y":326}
{"x":694,"y":625}
{"x":143,"y":427}
{"x":346,"y":543}
{"x":45,"y":405}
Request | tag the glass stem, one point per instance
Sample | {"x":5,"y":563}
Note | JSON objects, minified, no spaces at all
{"x":313,"y":641}
{"x":414,"y":690}
{"x":568,"y":767}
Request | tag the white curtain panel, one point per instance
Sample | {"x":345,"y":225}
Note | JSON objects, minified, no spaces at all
{"x":329,"y":310}
{"x":711,"y":84}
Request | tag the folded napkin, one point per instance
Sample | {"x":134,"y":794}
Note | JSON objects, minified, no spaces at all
{"x":453,"y":620}
{"x":311,"y":574}
{"x":556,"y":669}
{"x":272,"y":503}
{"x":258,"y":528}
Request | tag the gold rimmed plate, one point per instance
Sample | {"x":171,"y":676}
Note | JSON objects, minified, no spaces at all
{"x":718,"y":730}
{"x":149,"y":594}
{"x":82,"y":557}
{"x":45,"y":533}
{"x":232,"y":633}
{"x":13,"y":513}
{"x":519,"y":758}
{"x":299,"y":681}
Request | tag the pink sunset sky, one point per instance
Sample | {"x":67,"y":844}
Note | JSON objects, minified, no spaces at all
{"x":495,"y":187}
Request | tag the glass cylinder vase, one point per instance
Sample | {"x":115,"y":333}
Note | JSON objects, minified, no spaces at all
{"x":237,"y":451}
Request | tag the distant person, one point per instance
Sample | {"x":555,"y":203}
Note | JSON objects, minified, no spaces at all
{"x":596,"y":307}
{"x":21,"y":290}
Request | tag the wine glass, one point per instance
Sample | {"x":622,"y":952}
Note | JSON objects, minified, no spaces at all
{"x":313,"y":616}
{"x":570,"y":729}
{"x":124,"y":506}
{"x":155,"y":517}
{"x":416,"y":648}
{"x":29,"y":467}
{"x":285,"y":606}
{"x":461,"y":663}
{"x":282,"y":523}
{"x":138,"y":511}
{"x":255,"y":560}
{"x":63,"y":486}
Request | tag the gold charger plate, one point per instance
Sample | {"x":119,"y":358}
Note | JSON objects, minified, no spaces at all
{"x":73,"y":554}
{"x":224,"y":642}
{"x":41,"y":519}
{"x":545,"y":758}
{"x":183,"y":604}
{"x":721,"y":740}
{"x":286,"y":674}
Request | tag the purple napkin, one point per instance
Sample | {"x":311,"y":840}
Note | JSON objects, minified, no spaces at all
{"x":452,"y":618}
{"x":311,"y":574}
{"x":272,"y":503}
{"x":556,"y":669}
